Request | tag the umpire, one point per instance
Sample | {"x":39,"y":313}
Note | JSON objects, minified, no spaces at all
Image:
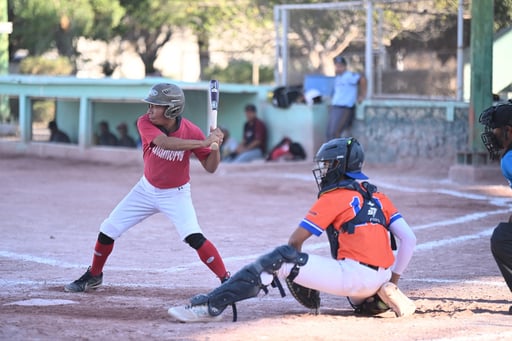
{"x":497,"y":138}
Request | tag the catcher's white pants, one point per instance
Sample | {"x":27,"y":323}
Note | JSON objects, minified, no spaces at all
{"x":144,"y":200}
{"x":345,"y":277}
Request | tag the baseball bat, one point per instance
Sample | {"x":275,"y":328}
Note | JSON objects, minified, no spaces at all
{"x":214,"y":104}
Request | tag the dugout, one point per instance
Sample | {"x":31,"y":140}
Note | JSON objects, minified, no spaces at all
{"x":80,"y":104}
{"x":392,"y":131}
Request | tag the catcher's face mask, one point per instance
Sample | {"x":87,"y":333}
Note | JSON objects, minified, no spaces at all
{"x":322,"y":170}
{"x":495,"y":118}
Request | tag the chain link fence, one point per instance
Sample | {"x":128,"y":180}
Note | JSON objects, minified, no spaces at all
{"x":414,"y":45}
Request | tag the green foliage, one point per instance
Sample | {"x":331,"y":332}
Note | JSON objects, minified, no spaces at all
{"x":239,"y":72}
{"x":43,"y":110}
{"x":502,"y":14}
{"x":41,"y":25}
{"x":60,"y":66}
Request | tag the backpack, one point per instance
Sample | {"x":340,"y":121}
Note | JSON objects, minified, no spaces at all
{"x":288,"y":150}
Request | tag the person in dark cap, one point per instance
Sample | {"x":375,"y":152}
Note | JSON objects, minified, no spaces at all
{"x":349,"y":89}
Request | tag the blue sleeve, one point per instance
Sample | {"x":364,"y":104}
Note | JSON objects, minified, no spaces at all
{"x":311,"y":227}
{"x":506,"y":167}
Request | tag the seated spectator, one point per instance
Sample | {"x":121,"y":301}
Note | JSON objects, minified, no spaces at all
{"x":228,"y":147}
{"x":106,"y":138}
{"x":254,"y":142}
{"x":57,"y":135}
{"x":125,"y":140}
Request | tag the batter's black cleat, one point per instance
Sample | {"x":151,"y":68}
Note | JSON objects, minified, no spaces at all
{"x":84,"y":283}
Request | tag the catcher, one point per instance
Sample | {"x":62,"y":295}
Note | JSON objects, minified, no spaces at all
{"x":497,"y":138}
{"x":358,"y":221}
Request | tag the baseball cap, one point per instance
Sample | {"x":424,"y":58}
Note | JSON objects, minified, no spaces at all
{"x":340,"y":60}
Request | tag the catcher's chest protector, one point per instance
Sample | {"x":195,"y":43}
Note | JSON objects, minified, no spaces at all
{"x":371,"y":212}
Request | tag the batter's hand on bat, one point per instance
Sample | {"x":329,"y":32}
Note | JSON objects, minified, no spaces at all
{"x":216,"y":136}
{"x":218,"y":133}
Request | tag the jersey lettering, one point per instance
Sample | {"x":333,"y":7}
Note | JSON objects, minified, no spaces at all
{"x":169,"y":155}
{"x":355,"y":205}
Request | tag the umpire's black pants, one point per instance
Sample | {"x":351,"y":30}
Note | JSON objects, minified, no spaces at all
{"x":501,"y":248}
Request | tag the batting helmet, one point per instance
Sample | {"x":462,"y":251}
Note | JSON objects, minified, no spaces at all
{"x":169,"y":95}
{"x":336,"y":158}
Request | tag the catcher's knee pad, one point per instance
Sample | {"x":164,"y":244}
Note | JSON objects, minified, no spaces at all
{"x":272,"y":261}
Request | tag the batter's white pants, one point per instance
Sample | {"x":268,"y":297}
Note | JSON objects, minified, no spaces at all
{"x":144,"y":200}
{"x":346,"y":277}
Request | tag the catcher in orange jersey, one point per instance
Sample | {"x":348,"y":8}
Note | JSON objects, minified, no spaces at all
{"x":361,"y":224}
{"x":168,"y":141}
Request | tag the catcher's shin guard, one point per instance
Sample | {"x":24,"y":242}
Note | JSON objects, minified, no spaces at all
{"x":246,"y":283}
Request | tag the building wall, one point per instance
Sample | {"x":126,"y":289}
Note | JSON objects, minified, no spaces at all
{"x":395,"y":131}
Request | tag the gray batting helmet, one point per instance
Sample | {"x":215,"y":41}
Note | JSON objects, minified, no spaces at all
{"x":169,"y":95}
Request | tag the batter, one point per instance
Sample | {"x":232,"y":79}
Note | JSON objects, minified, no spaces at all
{"x":168,"y":141}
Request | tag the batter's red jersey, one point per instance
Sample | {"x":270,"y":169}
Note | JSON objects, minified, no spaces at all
{"x":168,"y":168}
{"x":370,"y":243}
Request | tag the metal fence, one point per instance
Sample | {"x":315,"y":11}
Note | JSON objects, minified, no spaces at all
{"x":407,"y":49}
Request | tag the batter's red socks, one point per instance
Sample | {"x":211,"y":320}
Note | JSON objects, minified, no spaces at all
{"x":101,"y":253}
{"x":211,"y":257}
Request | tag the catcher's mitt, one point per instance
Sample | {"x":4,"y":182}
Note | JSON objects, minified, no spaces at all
{"x":371,"y":306}
{"x":309,"y":298}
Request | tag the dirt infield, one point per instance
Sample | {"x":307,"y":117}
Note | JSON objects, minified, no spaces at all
{"x":51,"y":210}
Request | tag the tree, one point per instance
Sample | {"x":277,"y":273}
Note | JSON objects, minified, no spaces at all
{"x":317,"y":36}
{"x":237,"y":23}
{"x":502,"y":14}
{"x":147,"y":26}
{"x":42,"y":25}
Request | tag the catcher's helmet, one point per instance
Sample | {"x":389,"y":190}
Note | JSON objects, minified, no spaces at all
{"x":496,"y":116}
{"x":169,"y":95}
{"x":336,"y":158}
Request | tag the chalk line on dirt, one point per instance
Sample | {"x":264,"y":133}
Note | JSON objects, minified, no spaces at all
{"x":310,"y":247}
{"x":35,"y":283}
{"x":185,"y":267}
